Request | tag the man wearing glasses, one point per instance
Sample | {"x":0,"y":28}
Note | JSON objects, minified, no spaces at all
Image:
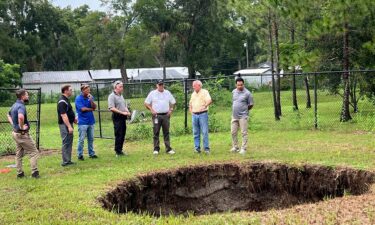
{"x":120,"y":112}
{"x":66,"y":118}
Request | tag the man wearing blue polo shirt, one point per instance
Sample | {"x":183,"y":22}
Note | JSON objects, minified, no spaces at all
{"x":85,"y":106}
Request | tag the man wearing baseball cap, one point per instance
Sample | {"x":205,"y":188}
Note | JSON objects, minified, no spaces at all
{"x":161,"y":103}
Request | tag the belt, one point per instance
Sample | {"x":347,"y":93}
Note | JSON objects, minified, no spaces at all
{"x":161,"y":114}
{"x":22,"y":132}
{"x":197,"y":113}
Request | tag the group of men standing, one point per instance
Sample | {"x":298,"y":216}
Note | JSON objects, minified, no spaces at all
{"x":161,"y":104}
{"x":85,"y":119}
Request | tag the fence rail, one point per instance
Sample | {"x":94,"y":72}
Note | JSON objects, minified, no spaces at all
{"x":7,"y":98}
{"x":319,"y":96}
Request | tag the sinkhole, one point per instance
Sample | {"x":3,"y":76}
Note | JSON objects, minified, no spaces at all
{"x":251,"y":186}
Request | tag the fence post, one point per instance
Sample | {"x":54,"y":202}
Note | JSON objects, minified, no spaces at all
{"x":316,"y":101}
{"x":99,"y":115}
{"x":38,"y":118}
{"x":186,"y":101}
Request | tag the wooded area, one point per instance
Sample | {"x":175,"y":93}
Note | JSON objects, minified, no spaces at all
{"x":209,"y":36}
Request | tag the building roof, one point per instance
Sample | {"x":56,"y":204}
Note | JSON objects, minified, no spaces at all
{"x":55,"y":77}
{"x":253,"y":71}
{"x":157,"y":73}
{"x":141,"y":73}
{"x":83,"y":76}
{"x":113,"y":74}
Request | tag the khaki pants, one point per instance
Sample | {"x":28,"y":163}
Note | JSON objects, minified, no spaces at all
{"x":25,"y":145}
{"x":235,"y":125}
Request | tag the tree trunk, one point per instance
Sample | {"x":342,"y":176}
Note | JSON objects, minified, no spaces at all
{"x":308,"y":98}
{"x":277,"y":117}
{"x":164,"y":62}
{"x":345,"y":113}
{"x":164,"y":37}
{"x":191,"y":70}
{"x":124,"y":75}
{"x":353,"y":94}
{"x":278,"y":86}
{"x":295,"y":104}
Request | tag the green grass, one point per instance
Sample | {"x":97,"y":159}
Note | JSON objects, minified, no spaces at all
{"x":69,"y":195}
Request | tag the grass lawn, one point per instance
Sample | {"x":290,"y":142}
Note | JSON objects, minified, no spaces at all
{"x":68,"y":195}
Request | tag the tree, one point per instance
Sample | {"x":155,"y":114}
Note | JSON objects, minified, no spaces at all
{"x":124,"y":23}
{"x":9,"y":74}
{"x":156,"y":16}
{"x":341,"y":18}
{"x":198,"y":28}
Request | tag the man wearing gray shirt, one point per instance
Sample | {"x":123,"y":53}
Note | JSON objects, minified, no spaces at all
{"x":161,"y":102}
{"x":242,"y":104}
{"x":120,"y":112}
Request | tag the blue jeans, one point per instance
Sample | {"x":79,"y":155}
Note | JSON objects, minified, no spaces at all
{"x":200,"y":124}
{"x":83,"y":131}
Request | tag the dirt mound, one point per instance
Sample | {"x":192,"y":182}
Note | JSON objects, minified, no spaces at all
{"x":234,"y":187}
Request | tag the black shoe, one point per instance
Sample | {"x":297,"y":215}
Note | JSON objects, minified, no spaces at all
{"x":119,"y":154}
{"x":93,"y":156}
{"x":81,"y":158}
{"x":67,"y":163}
{"x":35,"y":175}
{"x":21,"y":175}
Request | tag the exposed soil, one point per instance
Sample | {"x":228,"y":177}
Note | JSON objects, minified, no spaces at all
{"x":43,"y":152}
{"x":234,"y":187}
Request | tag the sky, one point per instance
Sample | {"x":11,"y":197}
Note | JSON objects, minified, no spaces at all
{"x":93,"y":4}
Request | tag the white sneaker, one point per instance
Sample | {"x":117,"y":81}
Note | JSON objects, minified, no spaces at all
{"x":234,"y":150}
{"x":155,"y":153}
{"x":171,"y":152}
{"x":242,"y":152}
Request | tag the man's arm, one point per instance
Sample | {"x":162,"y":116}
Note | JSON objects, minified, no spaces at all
{"x":172,"y":103}
{"x":10,"y":119}
{"x":21,"y":121}
{"x":208,"y":101}
{"x":171,"y":107}
{"x":113,"y":109}
{"x":149,"y":107}
{"x":93,"y":104}
{"x":80,"y":106}
{"x":250,"y":102}
{"x":67,"y":123}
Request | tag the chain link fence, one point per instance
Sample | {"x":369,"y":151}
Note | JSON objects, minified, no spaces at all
{"x":317,"y":103}
{"x":7,"y":99}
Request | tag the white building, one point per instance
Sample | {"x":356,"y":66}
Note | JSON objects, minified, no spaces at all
{"x":257,"y":76}
{"x":51,"y":82}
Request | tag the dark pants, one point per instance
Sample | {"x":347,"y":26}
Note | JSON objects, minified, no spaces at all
{"x":162,"y":122}
{"x":67,"y":143}
{"x":119,"y":123}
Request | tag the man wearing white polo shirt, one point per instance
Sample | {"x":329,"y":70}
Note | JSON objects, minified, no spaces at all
{"x":161,"y":103}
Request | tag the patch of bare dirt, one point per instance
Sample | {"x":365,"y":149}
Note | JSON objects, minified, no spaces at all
{"x":43,"y":152}
{"x":234,"y":187}
{"x":347,"y":210}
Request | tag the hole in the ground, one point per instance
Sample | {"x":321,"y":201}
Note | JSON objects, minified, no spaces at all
{"x":234,"y":187}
